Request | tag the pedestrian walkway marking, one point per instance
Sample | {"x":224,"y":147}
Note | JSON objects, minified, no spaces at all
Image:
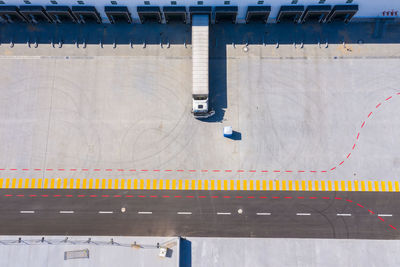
{"x":192,"y":184}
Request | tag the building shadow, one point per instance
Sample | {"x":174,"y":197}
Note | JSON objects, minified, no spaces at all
{"x":377,"y":31}
{"x":221,"y":35}
{"x":185,"y":253}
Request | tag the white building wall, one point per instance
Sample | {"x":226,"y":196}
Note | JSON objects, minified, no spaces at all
{"x":367,"y":8}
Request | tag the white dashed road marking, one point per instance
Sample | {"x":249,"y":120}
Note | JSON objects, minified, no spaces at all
{"x":343,"y":214}
{"x":27,"y":211}
{"x":184,"y":213}
{"x":145,"y":212}
{"x":106,"y":212}
{"x":66,"y":211}
{"x":303,"y":214}
{"x":263,"y":213}
{"x":223,"y":213}
{"x":385,"y":215}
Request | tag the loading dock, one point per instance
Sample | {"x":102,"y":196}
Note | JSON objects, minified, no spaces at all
{"x":290,"y":14}
{"x":175,"y":14}
{"x":316,"y":13}
{"x":34,"y":14}
{"x":118,"y":14}
{"x":200,"y":10}
{"x":149,"y":14}
{"x":60,"y":14}
{"x":342,"y":13}
{"x":11,"y":14}
{"x":258,"y":14}
{"x":226,"y":14}
{"x":86,"y":14}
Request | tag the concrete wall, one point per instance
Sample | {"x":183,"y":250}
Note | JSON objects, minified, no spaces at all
{"x":367,"y":8}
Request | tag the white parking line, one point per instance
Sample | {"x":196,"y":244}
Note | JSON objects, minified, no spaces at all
{"x":263,"y":213}
{"x":27,"y":211}
{"x":106,"y":212}
{"x":66,"y":211}
{"x":303,"y":214}
{"x":385,"y":215}
{"x":145,"y":212}
{"x":184,"y":212}
{"x":343,"y":214}
{"x":223,"y":213}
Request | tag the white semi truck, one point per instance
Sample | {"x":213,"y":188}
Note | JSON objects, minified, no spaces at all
{"x":200,"y":57}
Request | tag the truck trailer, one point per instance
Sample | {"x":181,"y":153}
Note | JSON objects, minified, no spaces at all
{"x":200,"y":57}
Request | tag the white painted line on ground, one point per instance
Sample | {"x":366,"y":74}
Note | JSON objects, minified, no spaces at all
{"x":184,"y":212}
{"x":145,"y":212}
{"x":27,"y":211}
{"x":223,"y":213}
{"x":303,"y":214}
{"x":263,"y":213}
{"x":66,"y":211}
{"x":106,"y":212}
{"x":343,"y":214}
{"x":385,"y":215}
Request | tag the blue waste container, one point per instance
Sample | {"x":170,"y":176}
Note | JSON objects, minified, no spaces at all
{"x":228,"y":131}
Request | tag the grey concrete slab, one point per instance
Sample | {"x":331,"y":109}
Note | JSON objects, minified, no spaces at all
{"x":91,"y":112}
{"x":292,"y":252}
{"x":31,"y":252}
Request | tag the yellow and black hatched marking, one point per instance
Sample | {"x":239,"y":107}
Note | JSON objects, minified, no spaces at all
{"x":175,"y":184}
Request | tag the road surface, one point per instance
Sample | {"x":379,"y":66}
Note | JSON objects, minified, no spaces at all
{"x":201,"y":213}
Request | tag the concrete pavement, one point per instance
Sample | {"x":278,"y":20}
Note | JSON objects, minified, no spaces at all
{"x":302,"y":111}
{"x":32,"y":252}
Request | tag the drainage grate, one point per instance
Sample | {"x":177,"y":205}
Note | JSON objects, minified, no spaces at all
{"x":76,"y":254}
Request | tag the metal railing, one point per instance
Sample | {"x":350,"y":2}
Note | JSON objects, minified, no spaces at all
{"x":89,"y":241}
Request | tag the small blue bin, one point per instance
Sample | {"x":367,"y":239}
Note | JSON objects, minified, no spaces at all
{"x":228,"y":131}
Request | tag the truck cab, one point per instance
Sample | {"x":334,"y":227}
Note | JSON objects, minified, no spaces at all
{"x":200,"y":107}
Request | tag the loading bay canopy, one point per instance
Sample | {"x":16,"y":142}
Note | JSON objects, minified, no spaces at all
{"x":118,"y":14}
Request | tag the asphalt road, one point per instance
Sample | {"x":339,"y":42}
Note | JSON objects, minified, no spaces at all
{"x":200,"y":213}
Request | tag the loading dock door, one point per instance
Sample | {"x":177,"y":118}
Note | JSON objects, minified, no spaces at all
{"x":60,"y":14}
{"x":290,"y":14}
{"x":175,"y":14}
{"x":342,"y":13}
{"x":258,"y":14}
{"x":86,"y":14}
{"x":11,"y":14}
{"x":316,"y":13}
{"x":206,"y":10}
{"x":226,"y":14}
{"x":149,"y":14}
{"x":34,"y":14}
{"x":118,"y":14}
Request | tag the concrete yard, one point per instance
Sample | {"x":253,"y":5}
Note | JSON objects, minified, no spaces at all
{"x":196,"y":252}
{"x":120,"y":113}
{"x":32,"y":252}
